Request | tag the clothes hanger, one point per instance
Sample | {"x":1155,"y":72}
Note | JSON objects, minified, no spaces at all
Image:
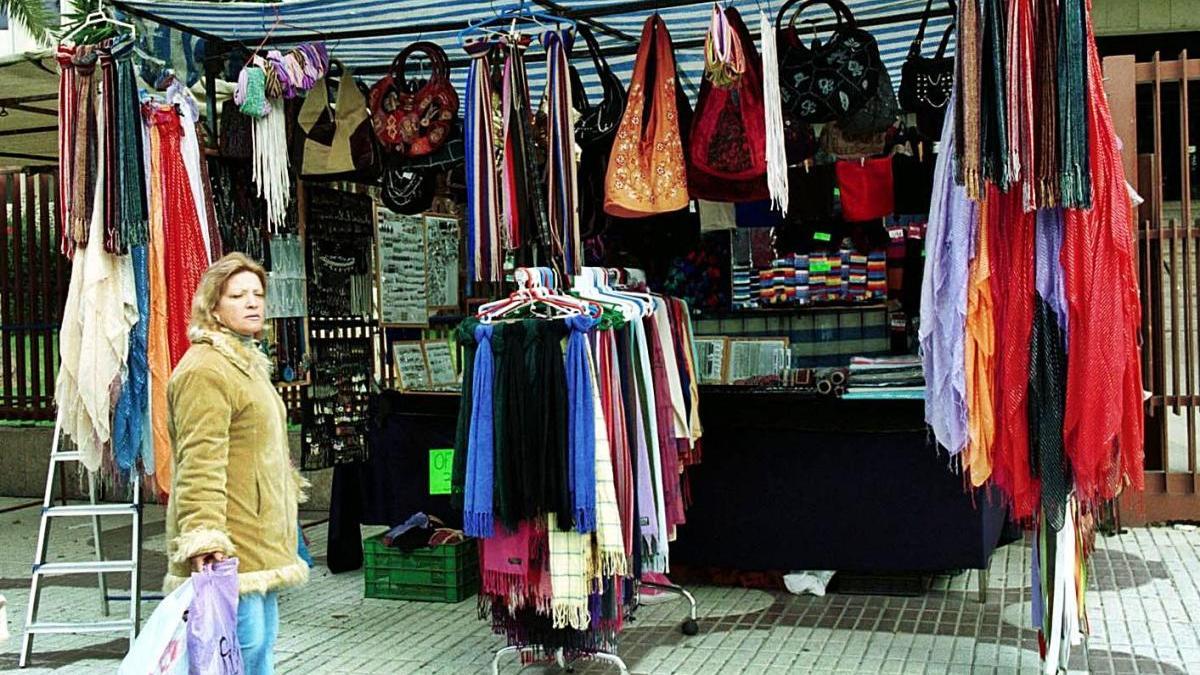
{"x":590,"y":286}
{"x":532,"y":292}
{"x":99,"y":17}
{"x":519,"y":13}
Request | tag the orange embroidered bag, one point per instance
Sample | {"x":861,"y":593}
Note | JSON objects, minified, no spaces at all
{"x":646,"y":172}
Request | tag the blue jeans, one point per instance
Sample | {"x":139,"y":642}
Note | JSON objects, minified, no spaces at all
{"x":258,"y":626}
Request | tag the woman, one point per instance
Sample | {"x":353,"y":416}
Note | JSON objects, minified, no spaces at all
{"x":234,"y":491}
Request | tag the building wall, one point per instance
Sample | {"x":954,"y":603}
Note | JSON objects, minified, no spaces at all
{"x":1125,"y":17}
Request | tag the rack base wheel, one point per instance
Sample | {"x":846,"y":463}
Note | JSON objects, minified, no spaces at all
{"x":689,"y":627}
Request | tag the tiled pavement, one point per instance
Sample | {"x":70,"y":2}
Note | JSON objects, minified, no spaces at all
{"x":1143,"y":606}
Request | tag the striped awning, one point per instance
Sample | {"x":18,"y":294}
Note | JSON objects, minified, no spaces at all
{"x":367,"y":34}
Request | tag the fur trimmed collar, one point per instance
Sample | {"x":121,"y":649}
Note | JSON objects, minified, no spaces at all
{"x":241,"y":353}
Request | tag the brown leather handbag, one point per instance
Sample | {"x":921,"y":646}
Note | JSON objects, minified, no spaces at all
{"x":414,"y":123}
{"x":647,"y":173}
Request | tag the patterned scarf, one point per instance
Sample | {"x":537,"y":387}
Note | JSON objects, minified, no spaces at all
{"x":127,"y":201}
{"x":1021,"y":131}
{"x":996,"y":158}
{"x":477,"y":508}
{"x":571,"y":562}
{"x":562,"y":183}
{"x":66,"y":147}
{"x":483,"y":209}
{"x":1044,"y":175}
{"x":610,"y":542}
{"x":85,"y":144}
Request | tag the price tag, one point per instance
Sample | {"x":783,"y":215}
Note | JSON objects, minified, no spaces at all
{"x":819,"y":267}
{"x":441,"y":467}
{"x":822,"y":236}
{"x":896,"y":233}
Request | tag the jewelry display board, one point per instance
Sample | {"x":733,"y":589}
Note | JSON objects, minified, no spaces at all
{"x":402,"y":270}
{"x":340,"y":229}
{"x":442,"y":257}
{"x":410,"y":368}
{"x":712,"y":359}
{"x":335,"y":406}
{"x":754,"y":357}
{"x":442,"y":374}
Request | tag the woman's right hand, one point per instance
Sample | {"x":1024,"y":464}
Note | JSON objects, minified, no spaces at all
{"x":199,"y":561}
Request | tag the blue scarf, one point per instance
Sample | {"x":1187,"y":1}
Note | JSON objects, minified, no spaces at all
{"x":581,"y":425}
{"x":477,"y":506}
{"x":130,"y":419}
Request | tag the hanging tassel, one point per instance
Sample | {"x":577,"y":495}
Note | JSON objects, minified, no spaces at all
{"x":271,"y":165}
{"x":777,"y":175}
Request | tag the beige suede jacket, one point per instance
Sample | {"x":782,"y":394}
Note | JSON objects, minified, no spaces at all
{"x":234,"y":489}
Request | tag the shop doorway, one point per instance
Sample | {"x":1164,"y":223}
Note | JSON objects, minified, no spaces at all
{"x":1156,"y":110}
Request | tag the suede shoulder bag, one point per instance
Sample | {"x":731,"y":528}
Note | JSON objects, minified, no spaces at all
{"x":338,"y":141}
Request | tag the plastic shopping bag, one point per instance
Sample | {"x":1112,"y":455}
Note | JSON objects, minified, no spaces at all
{"x":161,"y":646}
{"x":212,"y":641}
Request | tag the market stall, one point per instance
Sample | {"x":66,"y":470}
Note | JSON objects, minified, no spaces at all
{"x":607,"y":275}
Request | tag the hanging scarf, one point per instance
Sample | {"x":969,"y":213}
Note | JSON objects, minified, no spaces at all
{"x":86,"y":144}
{"x":968,"y":110}
{"x":133,"y":404}
{"x":581,"y":431}
{"x":944,"y":300}
{"x":66,"y":147}
{"x":108,"y":137}
{"x":1103,"y":424}
{"x":611,"y":558}
{"x":995,"y":149}
{"x":516,"y":199}
{"x":980,"y":350}
{"x":131,"y":211}
{"x":777,"y":173}
{"x":465,"y":337}
{"x":477,"y":502}
{"x":189,"y":119}
{"x":158,"y":352}
{"x":1073,"y":54}
{"x":1012,"y":233}
{"x":571,"y":557}
{"x":562,"y":182}
{"x":100,"y":310}
{"x":270,"y":164}
{"x":656,"y":546}
{"x":185,"y":257}
{"x":505,"y":558}
{"x":1019,"y":96}
{"x":1045,"y":172}
{"x":484,"y":262}
{"x":613,"y":407}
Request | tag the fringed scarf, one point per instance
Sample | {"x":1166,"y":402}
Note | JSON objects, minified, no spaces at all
{"x":777,"y":173}
{"x":85,"y":143}
{"x":611,"y":558}
{"x":613,"y":408}
{"x":996,"y":157}
{"x":980,"y":350}
{"x":1103,"y":424}
{"x":516,"y":199}
{"x":130,"y":201}
{"x":562,"y":182}
{"x":157,"y":341}
{"x":506,"y":562}
{"x":465,"y":337}
{"x":66,"y":148}
{"x":1073,"y":105}
{"x":1012,"y":235}
{"x":1044,"y":175}
{"x":483,"y":208}
{"x":581,"y":429}
{"x":571,"y":561}
{"x":477,"y":506}
{"x":1020,"y":99}
{"x":968,"y":113}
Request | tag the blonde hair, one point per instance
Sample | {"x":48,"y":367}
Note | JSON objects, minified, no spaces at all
{"x":212,"y":286}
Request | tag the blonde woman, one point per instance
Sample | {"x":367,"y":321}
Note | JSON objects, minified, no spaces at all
{"x":234,"y":492}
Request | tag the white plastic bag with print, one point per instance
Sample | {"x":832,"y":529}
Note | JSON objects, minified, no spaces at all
{"x":161,"y":646}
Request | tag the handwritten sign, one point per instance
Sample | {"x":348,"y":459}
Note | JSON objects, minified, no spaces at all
{"x":441,"y":468}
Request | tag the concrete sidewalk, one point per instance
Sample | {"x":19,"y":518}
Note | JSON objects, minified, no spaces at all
{"x":1143,"y":606}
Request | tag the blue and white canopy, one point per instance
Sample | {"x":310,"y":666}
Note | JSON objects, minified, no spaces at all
{"x":367,"y":34}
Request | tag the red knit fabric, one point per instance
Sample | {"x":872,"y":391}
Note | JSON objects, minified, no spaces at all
{"x":184,"y":257}
{"x":1103,"y":424}
{"x":1011,"y":247}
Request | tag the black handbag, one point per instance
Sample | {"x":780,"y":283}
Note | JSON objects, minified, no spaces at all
{"x":831,"y":80}
{"x":597,"y":123}
{"x":408,"y":190}
{"x":925,"y":83}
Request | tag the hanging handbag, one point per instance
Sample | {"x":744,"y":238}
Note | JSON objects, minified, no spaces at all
{"x":830,"y":80}
{"x":647,"y":173}
{"x":414,"y":123}
{"x":407,"y":190}
{"x":925,"y":83}
{"x":598,"y":123}
{"x":879,"y":114}
{"x":338,"y":141}
{"x":727,"y":155}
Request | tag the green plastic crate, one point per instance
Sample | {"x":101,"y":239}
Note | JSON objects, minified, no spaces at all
{"x":447,"y":573}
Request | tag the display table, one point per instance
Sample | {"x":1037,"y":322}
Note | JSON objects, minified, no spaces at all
{"x":790,"y":481}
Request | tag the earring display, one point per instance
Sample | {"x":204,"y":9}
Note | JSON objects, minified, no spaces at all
{"x":285,"y":288}
{"x":442,"y":262}
{"x":335,"y":405}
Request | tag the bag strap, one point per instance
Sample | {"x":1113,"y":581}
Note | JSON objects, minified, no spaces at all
{"x":840,"y":10}
{"x":914,"y":49}
{"x":593,"y":49}
{"x":941,"y":50}
{"x":437,"y":58}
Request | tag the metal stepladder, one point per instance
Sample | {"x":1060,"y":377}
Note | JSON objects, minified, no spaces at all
{"x":99,"y":566}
